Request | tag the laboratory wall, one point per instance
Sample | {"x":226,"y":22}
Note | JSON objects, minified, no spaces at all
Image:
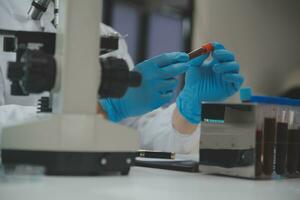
{"x":265,"y":35}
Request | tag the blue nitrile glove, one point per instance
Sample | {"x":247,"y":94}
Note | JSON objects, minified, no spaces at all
{"x":157,"y":88}
{"x":212,"y":80}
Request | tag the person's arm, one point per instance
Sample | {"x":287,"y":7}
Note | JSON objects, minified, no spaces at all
{"x":157,"y":88}
{"x":101,"y":111}
{"x":165,"y":137}
{"x":158,"y":133}
{"x":165,"y":129}
{"x":181,"y":124}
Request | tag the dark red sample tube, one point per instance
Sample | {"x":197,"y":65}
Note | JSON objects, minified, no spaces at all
{"x":204,"y":49}
{"x":269,"y":141}
{"x":292,"y":151}
{"x":298,"y":153}
{"x":281,"y":147}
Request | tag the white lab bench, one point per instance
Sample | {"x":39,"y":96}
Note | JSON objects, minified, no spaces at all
{"x":146,"y":183}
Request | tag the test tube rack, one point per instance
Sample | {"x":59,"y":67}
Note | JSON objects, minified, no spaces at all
{"x":250,"y":140}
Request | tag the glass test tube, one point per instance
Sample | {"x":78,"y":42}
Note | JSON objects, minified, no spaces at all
{"x":292,"y":151}
{"x":259,"y":140}
{"x":269,"y":139}
{"x":281,"y":141}
{"x":297,"y":120}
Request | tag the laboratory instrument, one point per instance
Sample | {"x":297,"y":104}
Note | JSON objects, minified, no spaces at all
{"x":72,"y":139}
{"x":257,"y":139}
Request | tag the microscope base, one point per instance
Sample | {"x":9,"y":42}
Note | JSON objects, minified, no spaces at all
{"x":72,"y":163}
{"x":70,"y":144}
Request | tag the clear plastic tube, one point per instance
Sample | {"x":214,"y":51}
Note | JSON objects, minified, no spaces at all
{"x":281,"y":140}
{"x":293,"y":147}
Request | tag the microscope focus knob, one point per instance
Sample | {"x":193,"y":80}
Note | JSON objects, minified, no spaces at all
{"x":40,"y":71}
{"x":35,"y":73}
{"x":14,"y":74}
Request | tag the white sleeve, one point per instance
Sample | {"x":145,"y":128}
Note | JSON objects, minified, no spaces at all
{"x":13,"y":16}
{"x":157,"y":132}
{"x":122,"y":51}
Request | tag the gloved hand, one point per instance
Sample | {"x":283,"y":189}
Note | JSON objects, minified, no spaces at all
{"x":157,"y":88}
{"x":212,"y":80}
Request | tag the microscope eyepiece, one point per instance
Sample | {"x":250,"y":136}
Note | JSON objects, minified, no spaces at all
{"x":116,"y":78}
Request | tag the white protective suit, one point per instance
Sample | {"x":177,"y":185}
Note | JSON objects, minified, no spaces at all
{"x":155,"y":128}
